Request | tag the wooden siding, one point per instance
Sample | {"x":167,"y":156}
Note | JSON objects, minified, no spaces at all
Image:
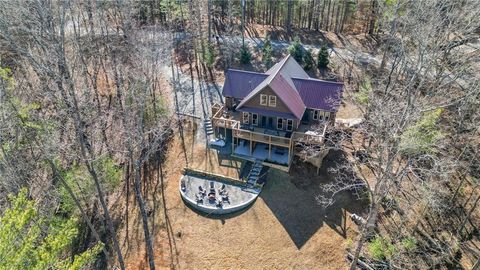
{"x":255,"y":102}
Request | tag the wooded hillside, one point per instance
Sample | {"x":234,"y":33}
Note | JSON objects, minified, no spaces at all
{"x":93,"y":97}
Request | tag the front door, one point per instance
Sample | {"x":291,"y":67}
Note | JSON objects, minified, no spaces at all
{"x":264,"y":121}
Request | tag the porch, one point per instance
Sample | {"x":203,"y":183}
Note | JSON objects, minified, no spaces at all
{"x":251,"y":150}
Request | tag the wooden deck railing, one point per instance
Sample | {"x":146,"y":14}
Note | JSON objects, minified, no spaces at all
{"x":263,"y":138}
{"x":218,"y":120}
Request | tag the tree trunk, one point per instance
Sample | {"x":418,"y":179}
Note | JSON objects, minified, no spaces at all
{"x":143,"y":213}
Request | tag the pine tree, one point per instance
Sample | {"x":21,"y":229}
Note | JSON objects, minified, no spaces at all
{"x":308,"y":61}
{"x":245,"y":56}
{"x":296,"y":50}
{"x":322,"y":61}
{"x":267,"y":53}
{"x":24,"y":243}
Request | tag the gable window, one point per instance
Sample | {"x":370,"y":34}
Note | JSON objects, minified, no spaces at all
{"x":279,"y":123}
{"x":272,"y":101}
{"x":255,"y":119}
{"x":315,"y":114}
{"x":327,"y":116}
{"x":263,"y":99}
{"x":245,"y":117}
{"x":289,"y":124}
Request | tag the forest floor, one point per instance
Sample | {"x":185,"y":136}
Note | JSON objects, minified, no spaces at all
{"x":284,"y":229}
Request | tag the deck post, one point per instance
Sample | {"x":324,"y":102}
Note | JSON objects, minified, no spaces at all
{"x":270,"y":147}
{"x":251,"y":142}
{"x":289,"y":149}
{"x":225,"y":133}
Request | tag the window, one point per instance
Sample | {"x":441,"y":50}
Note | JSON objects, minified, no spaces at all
{"x":245,"y":118}
{"x":289,"y":124}
{"x":327,"y":116}
{"x":272,"y":101}
{"x":279,"y":123}
{"x":263,"y":99}
{"x":255,"y":119}
{"x":320,"y":115}
{"x":315,"y":114}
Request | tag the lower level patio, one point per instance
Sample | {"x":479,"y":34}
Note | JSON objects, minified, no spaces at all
{"x":261,"y":151}
{"x":213,"y":196}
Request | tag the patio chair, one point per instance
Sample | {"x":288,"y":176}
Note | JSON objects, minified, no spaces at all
{"x":199,"y":198}
{"x":184,"y":187}
{"x":202,"y":191}
{"x":222,"y":189}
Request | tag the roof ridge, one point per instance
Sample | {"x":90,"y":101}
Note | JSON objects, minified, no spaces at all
{"x":246,"y":71}
{"x":281,"y":65}
{"x":314,"y":79}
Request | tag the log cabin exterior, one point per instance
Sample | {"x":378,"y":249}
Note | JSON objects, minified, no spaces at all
{"x":268,"y":114}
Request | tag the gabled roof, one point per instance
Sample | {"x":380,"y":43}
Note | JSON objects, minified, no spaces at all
{"x":289,"y":82}
{"x":319,"y":94}
{"x":279,"y":80}
{"x":239,"y":83}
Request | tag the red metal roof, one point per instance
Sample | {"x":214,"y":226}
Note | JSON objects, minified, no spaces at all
{"x":290,"y":83}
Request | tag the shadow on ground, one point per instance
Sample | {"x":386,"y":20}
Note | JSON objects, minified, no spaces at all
{"x":291,"y":198}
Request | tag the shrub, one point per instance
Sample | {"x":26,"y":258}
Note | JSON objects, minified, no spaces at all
{"x":362,"y":96}
{"x":423,"y":135}
{"x":409,"y":243}
{"x":323,"y":57}
{"x":381,"y":248}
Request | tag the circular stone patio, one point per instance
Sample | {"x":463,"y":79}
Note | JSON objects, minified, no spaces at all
{"x":239,"y":197}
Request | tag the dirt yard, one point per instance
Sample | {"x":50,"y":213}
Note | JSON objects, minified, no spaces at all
{"x":283,"y":229}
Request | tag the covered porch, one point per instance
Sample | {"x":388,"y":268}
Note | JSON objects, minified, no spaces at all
{"x":266,"y":152}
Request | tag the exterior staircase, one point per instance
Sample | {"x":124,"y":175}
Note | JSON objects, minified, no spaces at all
{"x":254,"y":174}
{"x":207,"y":123}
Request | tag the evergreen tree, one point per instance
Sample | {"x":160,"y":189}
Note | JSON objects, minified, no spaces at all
{"x":267,"y":53}
{"x":245,"y":55}
{"x":25,"y":245}
{"x":308,"y":61}
{"x":323,"y":56}
{"x":296,"y":50}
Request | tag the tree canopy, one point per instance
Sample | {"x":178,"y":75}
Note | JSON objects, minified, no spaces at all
{"x":24,"y":246}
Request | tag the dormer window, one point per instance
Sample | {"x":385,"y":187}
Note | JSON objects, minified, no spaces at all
{"x":263,"y":99}
{"x":272,"y":101}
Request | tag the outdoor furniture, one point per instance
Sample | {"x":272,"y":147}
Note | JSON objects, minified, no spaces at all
{"x":202,"y":191}
{"x":198,"y":198}
{"x":184,"y":187}
{"x":222,"y":189}
{"x":212,"y":187}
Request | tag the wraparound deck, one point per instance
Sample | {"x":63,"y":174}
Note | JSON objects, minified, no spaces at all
{"x":273,"y":147}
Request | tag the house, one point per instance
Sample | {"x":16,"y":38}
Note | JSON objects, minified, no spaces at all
{"x":266,"y":116}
